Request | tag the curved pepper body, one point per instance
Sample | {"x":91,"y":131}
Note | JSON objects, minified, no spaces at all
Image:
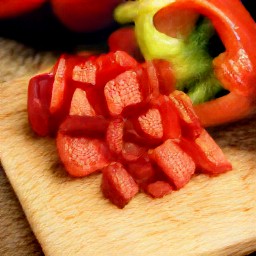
{"x":234,"y":69}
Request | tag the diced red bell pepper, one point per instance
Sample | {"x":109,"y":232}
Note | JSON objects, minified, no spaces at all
{"x":118,"y":185}
{"x":150,"y":124}
{"x":93,"y":74}
{"x":131,"y":135}
{"x":122,"y":92}
{"x":63,"y":88}
{"x":80,"y":105}
{"x":112,"y":64}
{"x":132,"y":152}
{"x":39,"y":97}
{"x":152,"y":151}
{"x":177,"y":165}
{"x":82,"y":156}
{"x":164,"y":73}
{"x":114,"y":136}
{"x":98,"y":71}
{"x":159,"y":76}
{"x":124,"y":39}
{"x":59,"y":87}
{"x":159,"y":189}
{"x":85,"y":72}
{"x":170,"y":120}
{"x":190,"y":123}
{"x":141,"y":170}
{"x":91,"y":126}
{"x":207,"y":155}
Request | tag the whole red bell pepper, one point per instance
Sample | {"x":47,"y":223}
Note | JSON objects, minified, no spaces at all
{"x":77,"y":15}
{"x":164,"y":29}
{"x":236,"y":67}
{"x":13,"y":8}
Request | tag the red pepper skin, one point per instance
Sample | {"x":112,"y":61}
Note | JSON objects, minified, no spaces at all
{"x":114,"y":136}
{"x":236,"y":67}
{"x":38,"y":104}
{"x":118,"y":185}
{"x":85,"y":15}
{"x":165,"y":75}
{"x":13,"y":8}
{"x":226,"y":109}
{"x":88,"y":126}
{"x":170,"y":119}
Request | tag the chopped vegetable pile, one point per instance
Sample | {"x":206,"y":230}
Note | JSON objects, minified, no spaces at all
{"x":138,"y":113}
{"x":113,"y":114}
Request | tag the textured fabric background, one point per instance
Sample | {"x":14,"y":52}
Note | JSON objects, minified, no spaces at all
{"x":16,"y":237}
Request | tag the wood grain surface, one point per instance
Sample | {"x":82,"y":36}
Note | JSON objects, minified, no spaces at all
{"x":210,"y":216}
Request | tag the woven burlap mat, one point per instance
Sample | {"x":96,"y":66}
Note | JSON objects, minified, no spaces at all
{"x":16,"y":236}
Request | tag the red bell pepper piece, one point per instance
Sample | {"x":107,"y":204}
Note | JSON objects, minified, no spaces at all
{"x":80,"y":105}
{"x":150,"y":125}
{"x":159,"y":189}
{"x":236,"y":67}
{"x":229,"y":108}
{"x":170,"y":120}
{"x":123,"y":91}
{"x":89,"y":126}
{"x":132,"y":152}
{"x":114,"y":136}
{"x":98,"y":71}
{"x":142,"y":170}
{"x":94,"y":73}
{"x":177,"y":165}
{"x":85,"y":72}
{"x":132,"y":135}
{"x":159,"y":76}
{"x":207,"y":155}
{"x":63,"y":89}
{"x":190,"y":123}
{"x":166,"y":76}
{"x":82,"y":156}
{"x":39,"y":97}
{"x":124,"y":39}
{"x":118,"y":185}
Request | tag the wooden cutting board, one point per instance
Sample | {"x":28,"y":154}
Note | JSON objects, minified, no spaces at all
{"x":210,"y":216}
